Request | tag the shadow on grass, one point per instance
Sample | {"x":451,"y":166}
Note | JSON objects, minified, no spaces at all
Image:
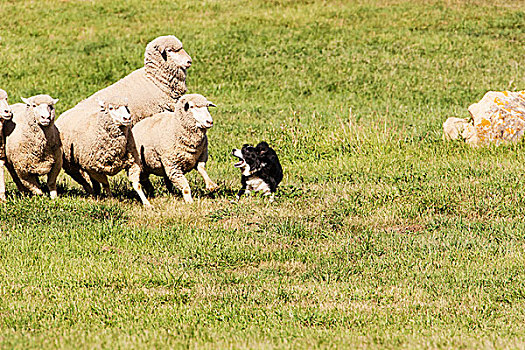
{"x":122,"y":191}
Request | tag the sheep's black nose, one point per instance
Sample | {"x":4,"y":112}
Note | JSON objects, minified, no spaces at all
{"x":6,"y":111}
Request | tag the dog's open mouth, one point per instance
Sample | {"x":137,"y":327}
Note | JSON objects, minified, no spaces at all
{"x":240,"y":164}
{"x":238,"y":154}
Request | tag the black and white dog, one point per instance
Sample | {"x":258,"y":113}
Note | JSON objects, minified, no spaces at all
{"x":261,"y":170}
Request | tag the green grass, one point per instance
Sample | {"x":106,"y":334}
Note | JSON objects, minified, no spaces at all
{"x":381,"y":235}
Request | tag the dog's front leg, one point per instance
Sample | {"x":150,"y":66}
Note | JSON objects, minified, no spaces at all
{"x":243,"y":188}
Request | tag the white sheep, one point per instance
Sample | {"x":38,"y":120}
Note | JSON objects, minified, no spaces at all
{"x":6,"y":113}
{"x":151,"y":89}
{"x":173,"y":143}
{"x":33,"y":144}
{"x":101,"y":146}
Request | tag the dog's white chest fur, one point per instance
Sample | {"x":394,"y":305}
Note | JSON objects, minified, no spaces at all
{"x":256,"y":184}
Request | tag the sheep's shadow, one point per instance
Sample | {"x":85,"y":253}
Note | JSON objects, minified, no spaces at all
{"x":122,"y":190}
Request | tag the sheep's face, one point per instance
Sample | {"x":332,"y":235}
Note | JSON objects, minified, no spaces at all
{"x":120,"y":114}
{"x":5,"y":110}
{"x":177,"y":57}
{"x":171,"y":53}
{"x":44,"y":111}
{"x":199,"y":112}
{"x":117,"y":108}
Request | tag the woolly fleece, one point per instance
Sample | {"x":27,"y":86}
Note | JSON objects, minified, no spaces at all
{"x":100,"y":147}
{"x":32,"y":150}
{"x":149,"y":90}
{"x":170,"y":145}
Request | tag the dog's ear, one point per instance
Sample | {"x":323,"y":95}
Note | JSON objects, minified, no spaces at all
{"x":262,"y":147}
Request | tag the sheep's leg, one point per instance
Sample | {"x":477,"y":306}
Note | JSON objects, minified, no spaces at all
{"x":178,"y":179}
{"x":2,"y":182}
{"x":77,"y":176}
{"x":102,"y":179}
{"x":15,"y":177}
{"x":31,"y":183}
{"x":134,"y":177}
{"x":94,"y":184}
{"x":52,"y":178}
{"x":210,"y":185}
{"x":169,"y":184}
{"x":146,"y":184}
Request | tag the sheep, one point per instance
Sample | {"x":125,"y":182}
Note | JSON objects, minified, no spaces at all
{"x":151,"y":89}
{"x":6,"y":113}
{"x":173,"y":143}
{"x":32,"y":144}
{"x":100,"y":147}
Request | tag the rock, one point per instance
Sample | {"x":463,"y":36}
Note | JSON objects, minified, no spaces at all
{"x":498,"y":118}
{"x":453,"y":128}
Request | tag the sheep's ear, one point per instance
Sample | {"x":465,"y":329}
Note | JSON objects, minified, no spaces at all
{"x":55,"y":101}
{"x":162,"y":50}
{"x":186,"y":106}
{"x":26,"y":101}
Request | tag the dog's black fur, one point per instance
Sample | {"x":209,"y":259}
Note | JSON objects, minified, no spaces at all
{"x":259,"y":162}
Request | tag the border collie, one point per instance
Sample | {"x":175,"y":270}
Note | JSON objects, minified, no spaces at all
{"x":260,"y":169}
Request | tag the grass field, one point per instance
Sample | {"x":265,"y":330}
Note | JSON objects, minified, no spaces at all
{"x":381,"y":235}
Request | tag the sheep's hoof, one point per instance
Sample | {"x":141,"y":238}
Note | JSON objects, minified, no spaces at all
{"x":212,"y":187}
{"x":147,"y":204}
